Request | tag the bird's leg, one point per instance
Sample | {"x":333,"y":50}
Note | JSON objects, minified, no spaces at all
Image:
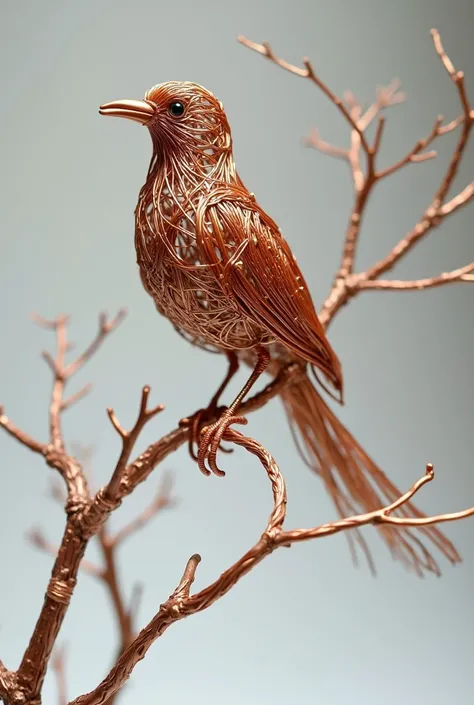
{"x":213,"y":435}
{"x":197,"y":420}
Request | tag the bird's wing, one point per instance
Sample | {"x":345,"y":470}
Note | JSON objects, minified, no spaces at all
{"x":253,"y":263}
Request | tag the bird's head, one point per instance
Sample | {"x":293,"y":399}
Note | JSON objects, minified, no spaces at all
{"x":179,"y":116}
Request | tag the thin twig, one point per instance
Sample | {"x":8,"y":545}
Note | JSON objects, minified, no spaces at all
{"x":386,"y":97}
{"x":437,"y":210}
{"x":463,"y":274}
{"x":58,"y":663}
{"x":380,"y":516}
{"x":38,"y":540}
{"x":105,"y":328}
{"x":415,"y":153}
{"x":54,"y":450}
{"x":20,"y":435}
{"x":162,"y":500}
{"x":307,"y":72}
{"x":463,"y":198}
{"x":315,"y":141}
{"x":347,"y":284}
{"x":74,"y":398}
{"x":129,"y":438}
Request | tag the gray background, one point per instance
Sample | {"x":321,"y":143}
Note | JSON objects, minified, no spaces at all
{"x":305,"y":626}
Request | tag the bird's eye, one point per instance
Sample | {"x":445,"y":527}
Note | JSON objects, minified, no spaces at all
{"x":176,"y":108}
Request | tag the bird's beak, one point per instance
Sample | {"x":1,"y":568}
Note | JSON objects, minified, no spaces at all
{"x":138,"y":110}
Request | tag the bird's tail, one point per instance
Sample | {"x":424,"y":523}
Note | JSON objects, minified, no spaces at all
{"x":355,"y":483}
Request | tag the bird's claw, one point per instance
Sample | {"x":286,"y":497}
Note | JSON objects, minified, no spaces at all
{"x":210,"y":443}
{"x":196,"y":424}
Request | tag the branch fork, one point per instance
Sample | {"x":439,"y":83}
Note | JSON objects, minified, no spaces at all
{"x":347,"y":284}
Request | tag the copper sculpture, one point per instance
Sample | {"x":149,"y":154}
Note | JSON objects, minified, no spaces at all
{"x":214,"y":262}
{"x":87,"y":511}
{"x":218,"y":267}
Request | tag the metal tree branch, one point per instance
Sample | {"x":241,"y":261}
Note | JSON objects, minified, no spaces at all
{"x":138,"y":471}
{"x":129,"y":438}
{"x":85,"y":520}
{"x":182,"y":604}
{"x":463,"y":274}
{"x":54,"y":450}
{"x":347,"y":283}
{"x":125,"y":610}
{"x":30,"y":675}
{"x":145,"y":463}
{"x":163,"y":500}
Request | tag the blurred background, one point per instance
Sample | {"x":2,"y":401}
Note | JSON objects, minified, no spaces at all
{"x":306,"y":626}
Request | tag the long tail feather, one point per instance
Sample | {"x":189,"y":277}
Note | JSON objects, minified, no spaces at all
{"x":355,"y":483}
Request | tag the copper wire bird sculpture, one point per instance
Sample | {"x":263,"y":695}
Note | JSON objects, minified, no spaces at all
{"x":218,"y":267}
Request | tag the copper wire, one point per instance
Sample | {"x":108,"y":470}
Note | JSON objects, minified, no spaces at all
{"x":214,"y":262}
{"x":218,"y":267}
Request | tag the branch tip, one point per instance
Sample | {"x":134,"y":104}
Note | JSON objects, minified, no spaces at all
{"x":74,"y":398}
{"x":51,"y":324}
{"x":116,"y":423}
{"x":184,"y":586}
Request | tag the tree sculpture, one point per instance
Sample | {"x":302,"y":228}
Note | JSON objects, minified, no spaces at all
{"x":87,"y":511}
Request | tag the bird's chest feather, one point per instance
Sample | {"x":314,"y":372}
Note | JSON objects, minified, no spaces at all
{"x":168,"y":255}
{"x":184,"y":289}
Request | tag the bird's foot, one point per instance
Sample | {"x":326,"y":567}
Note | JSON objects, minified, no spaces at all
{"x":196,"y":424}
{"x":211,"y":438}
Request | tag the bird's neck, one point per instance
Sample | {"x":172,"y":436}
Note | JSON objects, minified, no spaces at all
{"x":194,"y":167}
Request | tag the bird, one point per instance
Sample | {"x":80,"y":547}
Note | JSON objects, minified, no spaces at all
{"x":219,"y":269}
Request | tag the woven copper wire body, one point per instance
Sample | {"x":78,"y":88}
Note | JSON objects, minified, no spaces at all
{"x":214,"y":262}
{"x":219,"y":269}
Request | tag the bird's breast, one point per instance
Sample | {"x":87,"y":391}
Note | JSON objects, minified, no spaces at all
{"x":184,"y":289}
